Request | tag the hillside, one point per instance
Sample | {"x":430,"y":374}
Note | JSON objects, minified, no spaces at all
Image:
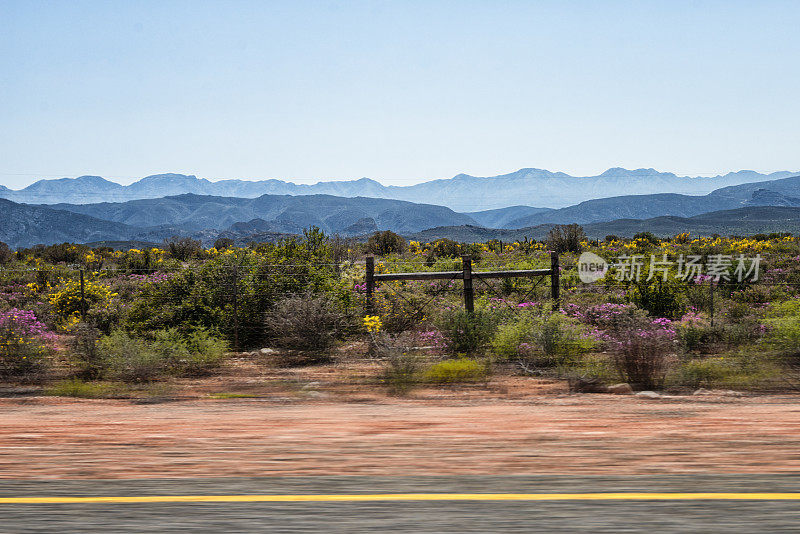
{"x":24,"y":226}
{"x":284,"y":213}
{"x":741,"y":221}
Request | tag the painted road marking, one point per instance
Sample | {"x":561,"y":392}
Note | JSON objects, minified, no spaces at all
{"x":411,"y":497}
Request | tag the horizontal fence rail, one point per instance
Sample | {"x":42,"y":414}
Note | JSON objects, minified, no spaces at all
{"x":466,"y":275}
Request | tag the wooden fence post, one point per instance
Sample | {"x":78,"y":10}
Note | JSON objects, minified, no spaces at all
{"x":711,"y":300}
{"x":370,"y":283}
{"x":555,"y":281}
{"x":83,"y":299}
{"x":469,"y":303}
{"x":236,"y":308}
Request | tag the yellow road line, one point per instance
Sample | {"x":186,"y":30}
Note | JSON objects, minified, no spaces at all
{"x":411,"y":497}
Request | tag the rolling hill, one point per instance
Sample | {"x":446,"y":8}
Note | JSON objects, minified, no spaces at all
{"x":740,"y":221}
{"x":281,"y":213}
{"x":23,"y":226}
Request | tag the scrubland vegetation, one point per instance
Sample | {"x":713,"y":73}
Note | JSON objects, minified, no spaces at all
{"x":141,"y":317}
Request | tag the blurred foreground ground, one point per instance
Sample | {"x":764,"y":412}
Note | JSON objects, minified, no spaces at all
{"x":451,"y":433}
{"x":518,"y":435}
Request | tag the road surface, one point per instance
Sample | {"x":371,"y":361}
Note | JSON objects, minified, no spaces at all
{"x":631,"y":512}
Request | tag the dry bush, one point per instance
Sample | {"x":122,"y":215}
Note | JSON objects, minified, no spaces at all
{"x":306,"y":323}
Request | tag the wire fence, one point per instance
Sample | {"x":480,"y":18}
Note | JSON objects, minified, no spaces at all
{"x":234,"y":299}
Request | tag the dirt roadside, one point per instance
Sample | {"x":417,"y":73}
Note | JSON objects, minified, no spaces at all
{"x":554,"y":433}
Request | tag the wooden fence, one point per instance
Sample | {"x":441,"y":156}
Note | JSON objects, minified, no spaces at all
{"x":467,"y":275}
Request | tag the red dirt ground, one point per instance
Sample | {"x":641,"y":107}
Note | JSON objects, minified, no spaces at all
{"x":517,"y":426}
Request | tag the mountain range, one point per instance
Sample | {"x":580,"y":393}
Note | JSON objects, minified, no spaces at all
{"x":465,"y":193}
{"x":761,"y":206}
{"x":782,"y":192}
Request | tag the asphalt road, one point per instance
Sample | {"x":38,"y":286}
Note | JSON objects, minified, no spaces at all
{"x":406,"y":516}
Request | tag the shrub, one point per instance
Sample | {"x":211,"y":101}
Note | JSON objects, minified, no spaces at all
{"x":24,"y":344}
{"x":80,"y":389}
{"x":167,"y":352}
{"x":446,"y":248}
{"x":402,"y":363}
{"x":223,"y":243}
{"x":784,"y":327}
{"x":659,"y":298}
{"x":543,"y":340}
{"x":306,"y":323}
{"x":735,"y":370}
{"x":466,"y":332}
{"x":203,"y":353}
{"x":694,"y":331}
{"x":641,"y":354}
{"x":132,"y":359}
{"x":457,"y":370}
{"x":5,"y":254}
{"x":66,"y":300}
{"x":85,"y":352}
{"x":183,"y":248}
{"x":386,"y":242}
{"x":566,"y":238}
{"x":646,"y":238}
{"x":203,"y":297}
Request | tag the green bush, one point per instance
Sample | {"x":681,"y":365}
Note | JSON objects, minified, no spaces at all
{"x":740,"y":370}
{"x":203,"y":297}
{"x":566,"y":238}
{"x":457,"y":370}
{"x":466,"y":332}
{"x":543,"y":340}
{"x":137,"y":359}
{"x":385,"y":243}
{"x":695,"y":332}
{"x":80,"y":389}
{"x":133,"y":359}
{"x":195,"y":354}
{"x":784,"y":327}
{"x":659,"y":298}
{"x":183,"y":248}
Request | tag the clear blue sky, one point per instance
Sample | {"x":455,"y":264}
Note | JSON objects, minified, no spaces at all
{"x":399,"y":91}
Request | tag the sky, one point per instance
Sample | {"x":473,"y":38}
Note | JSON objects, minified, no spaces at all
{"x":401,"y":92}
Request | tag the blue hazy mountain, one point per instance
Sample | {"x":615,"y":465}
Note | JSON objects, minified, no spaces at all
{"x":464,"y":193}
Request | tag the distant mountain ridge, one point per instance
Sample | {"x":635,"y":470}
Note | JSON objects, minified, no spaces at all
{"x":783,"y":192}
{"x":464,"y":193}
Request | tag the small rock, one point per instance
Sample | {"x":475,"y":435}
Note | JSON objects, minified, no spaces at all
{"x":311,"y":385}
{"x":316,"y":394}
{"x":591,"y":385}
{"x":267,"y":351}
{"x":718,"y":392}
{"x":621,"y":389}
{"x":649,"y":395}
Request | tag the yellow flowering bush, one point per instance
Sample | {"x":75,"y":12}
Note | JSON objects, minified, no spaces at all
{"x":66,"y":300}
{"x":373,"y":324}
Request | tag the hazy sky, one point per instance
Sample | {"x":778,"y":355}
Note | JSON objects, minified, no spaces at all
{"x":397,"y":91}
